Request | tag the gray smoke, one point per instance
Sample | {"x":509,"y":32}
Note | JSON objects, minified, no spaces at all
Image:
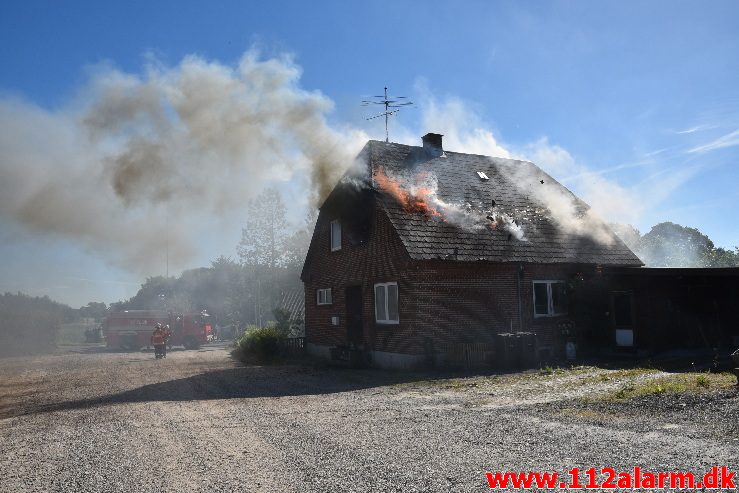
{"x":465,"y":131}
{"x":570,"y":213}
{"x":134,"y":155}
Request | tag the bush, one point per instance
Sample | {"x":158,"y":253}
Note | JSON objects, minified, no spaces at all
{"x":291,"y":327}
{"x":263,"y":343}
{"x":702,"y":381}
{"x":282,"y":318}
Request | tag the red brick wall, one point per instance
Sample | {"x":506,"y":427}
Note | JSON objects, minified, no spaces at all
{"x":446,"y":301}
{"x":383,"y":258}
{"x":471,"y":302}
{"x":548,"y":334}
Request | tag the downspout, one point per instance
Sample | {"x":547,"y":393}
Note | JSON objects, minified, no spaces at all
{"x":519,"y":274}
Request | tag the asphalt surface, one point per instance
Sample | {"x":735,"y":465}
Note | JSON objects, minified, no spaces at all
{"x":90,"y":420}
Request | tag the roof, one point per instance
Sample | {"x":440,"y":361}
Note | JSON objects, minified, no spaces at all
{"x":534,"y":218}
{"x":293,"y":300}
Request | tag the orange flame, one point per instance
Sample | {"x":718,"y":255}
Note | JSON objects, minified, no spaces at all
{"x":412,"y":202}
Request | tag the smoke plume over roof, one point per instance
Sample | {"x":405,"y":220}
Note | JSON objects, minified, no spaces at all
{"x":135,"y":155}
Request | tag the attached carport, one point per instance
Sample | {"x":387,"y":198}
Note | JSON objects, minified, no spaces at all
{"x":660,"y":309}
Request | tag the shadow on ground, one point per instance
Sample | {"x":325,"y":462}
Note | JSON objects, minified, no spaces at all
{"x":242,"y":382}
{"x":246,"y":382}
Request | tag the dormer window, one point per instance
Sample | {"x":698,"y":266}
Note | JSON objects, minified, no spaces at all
{"x":335,"y":235}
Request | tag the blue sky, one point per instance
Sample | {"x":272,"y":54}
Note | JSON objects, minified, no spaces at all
{"x":638,"y":99}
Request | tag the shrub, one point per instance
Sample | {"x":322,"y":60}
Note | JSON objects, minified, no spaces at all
{"x":291,"y":327}
{"x":264,"y":343}
{"x":702,"y":381}
{"x":282,"y":318}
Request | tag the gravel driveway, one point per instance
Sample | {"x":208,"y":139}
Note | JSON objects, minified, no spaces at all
{"x":89,"y":420}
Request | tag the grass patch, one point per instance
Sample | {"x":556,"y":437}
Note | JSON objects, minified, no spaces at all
{"x":546,"y":371}
{"x":677,"y":383}
{"x":702,"y":381}
{"x":604,"y":376}
{"x":497,"y":380}
{"x":623,"y":374}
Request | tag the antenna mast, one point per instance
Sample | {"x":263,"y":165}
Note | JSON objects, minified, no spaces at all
{"x":392,"y":106}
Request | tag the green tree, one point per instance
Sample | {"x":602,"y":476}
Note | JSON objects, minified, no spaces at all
{"x":241,"y":292}
{"x":263,"y":255}
{"x":227,"y":285}
{"x":721,"y":257}
{"x":296,"y":245}
{"x":671,"y":245}
{"x":96,"y":310}
{"x":30,"y":324}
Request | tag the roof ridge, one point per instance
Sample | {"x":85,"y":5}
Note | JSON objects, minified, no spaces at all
{"x":518,"y":160}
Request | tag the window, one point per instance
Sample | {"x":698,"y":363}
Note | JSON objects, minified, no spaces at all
{"x":550,"y":298}
{"x":323,"y":296}
{"x":335,"y":235}
{"x":386,"y":303}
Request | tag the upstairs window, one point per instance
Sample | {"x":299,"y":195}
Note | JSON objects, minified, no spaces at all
{"x":323,"y":296}
{"x":386,"y":303}
{"x":550,"y":298}
{"x":335,"y":235}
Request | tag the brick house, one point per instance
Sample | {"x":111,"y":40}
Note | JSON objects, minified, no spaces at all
{"x":419,"y":250}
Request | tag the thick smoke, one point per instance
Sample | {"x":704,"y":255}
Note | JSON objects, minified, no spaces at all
{"x":137,"y":155}
{"x":465,"y":131}
{"x":608,"y":200}
{"x":572,"y":215}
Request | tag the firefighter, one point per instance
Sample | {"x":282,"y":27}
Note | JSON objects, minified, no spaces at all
{"x":158,"y":341}
{"x":166,"y":333}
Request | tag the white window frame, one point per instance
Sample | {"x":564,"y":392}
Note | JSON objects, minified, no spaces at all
{"x":387,"y":304}
{"x":326,"y":292}
{"x":550,"y":298}
{"x":337,"y":247}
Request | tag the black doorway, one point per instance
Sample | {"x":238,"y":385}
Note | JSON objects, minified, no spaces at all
{"x":354,"y":319}
{"x":623,"y":318}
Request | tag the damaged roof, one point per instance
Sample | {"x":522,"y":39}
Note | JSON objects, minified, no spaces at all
{"x":556,"y":225}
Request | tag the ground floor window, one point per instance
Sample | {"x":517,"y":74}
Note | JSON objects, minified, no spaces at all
{"x":550,"y":298}
{"x":323,"y":296}
{"x":386,"y":303}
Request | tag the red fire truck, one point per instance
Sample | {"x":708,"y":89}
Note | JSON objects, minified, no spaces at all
{"x":132,"y":329}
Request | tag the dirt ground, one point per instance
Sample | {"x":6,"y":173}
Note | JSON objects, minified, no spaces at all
{"x":90,"y":420}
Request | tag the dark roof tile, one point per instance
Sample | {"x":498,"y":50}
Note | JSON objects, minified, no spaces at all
{"x":518,"y":192}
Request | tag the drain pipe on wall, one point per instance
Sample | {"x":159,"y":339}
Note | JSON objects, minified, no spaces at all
{"x":519,"y":275}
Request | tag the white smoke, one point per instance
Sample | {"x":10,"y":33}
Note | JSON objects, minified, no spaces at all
{"x":138,"y":155}
{"x":423,"y":186}
{"x":462,"y":127}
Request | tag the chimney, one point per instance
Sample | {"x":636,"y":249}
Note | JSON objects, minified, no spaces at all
{"x":432,"y":143}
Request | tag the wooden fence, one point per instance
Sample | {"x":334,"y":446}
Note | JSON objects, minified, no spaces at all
{"x":293,"y":346}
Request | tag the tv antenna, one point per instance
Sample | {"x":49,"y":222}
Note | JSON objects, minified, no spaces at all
{"x":392,"y":106}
